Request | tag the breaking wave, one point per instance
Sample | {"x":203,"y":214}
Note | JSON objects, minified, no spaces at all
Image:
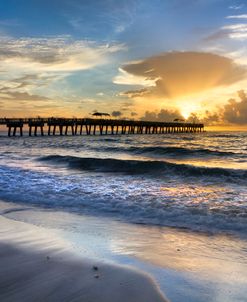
{"x":179,"y":151}
{"x":142,"y":167}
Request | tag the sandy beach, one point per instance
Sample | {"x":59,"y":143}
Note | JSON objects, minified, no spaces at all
{"x":49,"y":255}
{"x":38,"y":266}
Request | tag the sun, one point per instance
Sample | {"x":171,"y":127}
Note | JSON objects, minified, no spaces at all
{"x":186,"y":109}
{"x":185,"y":113}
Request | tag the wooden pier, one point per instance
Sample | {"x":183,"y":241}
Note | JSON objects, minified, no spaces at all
{"x":88,"y":126}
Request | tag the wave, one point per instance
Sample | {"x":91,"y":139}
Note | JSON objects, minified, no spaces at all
{"x":179,"y":151}
{"x":160,"y":168}
{"x":228,"y":135}
{"x":134,"y":199}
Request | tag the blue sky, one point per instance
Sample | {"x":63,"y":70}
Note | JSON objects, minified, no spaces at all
{"x":78,"y":56}
{"x":147,"y":26}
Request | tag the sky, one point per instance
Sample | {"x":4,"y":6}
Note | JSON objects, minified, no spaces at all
{"x":138,"y":59}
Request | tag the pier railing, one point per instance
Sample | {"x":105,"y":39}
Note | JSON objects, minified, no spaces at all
{"x":79,"y":126}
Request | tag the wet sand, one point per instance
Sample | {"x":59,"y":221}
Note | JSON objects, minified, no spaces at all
{"x":50,"y":255}
{"x":37,"y":266}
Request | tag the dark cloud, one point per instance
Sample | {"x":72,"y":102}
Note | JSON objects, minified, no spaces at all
{"x":116,"y":113}
{"x":209,"y":118}
{"x":184,"y":73}
{"x":136,"y":93}
{"x":163,"y":115}
{"x":212,"y":118}
{"x":236,"y":112}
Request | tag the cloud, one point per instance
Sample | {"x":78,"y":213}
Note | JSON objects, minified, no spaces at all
{"x":59,"y":54}
{"x":236,"y":31}
{"x":16,"y":96}
{"x":219,"y":34}
{"x":120,"y":28}
{"x":236,"y":112}
{"x":11,"y":94}
{"x":233,"y":112}
{"x":233,"y":31}
{"x":19,"y":89}
{"x":178,"y":74}
{"x":33,"y":67}
{"x":126,"y":78}
{"x":116,"y":113}
{"x":238,"y":27}
{"x":20,"y":96}
{"x":236,"y":7}
{"x":115,"y":16}
{"x":237,"y":17}
{"x":212,"y":118}
{"x":209,"y":118}
{"x":127,"y":106}
{"x":163,"y":115}
{"x":135,"y":93}
{"x":15,"y":102}
{"x":29,"y":81}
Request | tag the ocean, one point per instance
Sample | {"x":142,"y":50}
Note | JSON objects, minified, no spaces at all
{"x":186,"y":181}
{"x":171,"y":205}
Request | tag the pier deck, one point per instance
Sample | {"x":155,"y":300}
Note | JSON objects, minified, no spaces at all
{"x":80,"y":126}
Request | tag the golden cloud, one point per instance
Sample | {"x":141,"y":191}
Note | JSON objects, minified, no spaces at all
{"x":236,"y":112}
{"x":178,"y":74}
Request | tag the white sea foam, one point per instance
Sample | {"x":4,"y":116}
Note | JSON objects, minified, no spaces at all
{"x":186,"y":181}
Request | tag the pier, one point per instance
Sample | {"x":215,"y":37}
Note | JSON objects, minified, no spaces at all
{"x":93,"y":126}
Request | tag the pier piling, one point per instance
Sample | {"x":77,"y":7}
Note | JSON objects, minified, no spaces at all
{"x":68,"y":126}
{"x":15,"y":124}
{"x":39,"y":123}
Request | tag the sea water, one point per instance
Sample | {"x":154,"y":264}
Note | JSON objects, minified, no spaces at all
{"x":193,"y":183}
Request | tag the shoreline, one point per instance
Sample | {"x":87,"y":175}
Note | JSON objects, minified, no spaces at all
{"x":37,"y":266}
{"x":182,"y":265}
